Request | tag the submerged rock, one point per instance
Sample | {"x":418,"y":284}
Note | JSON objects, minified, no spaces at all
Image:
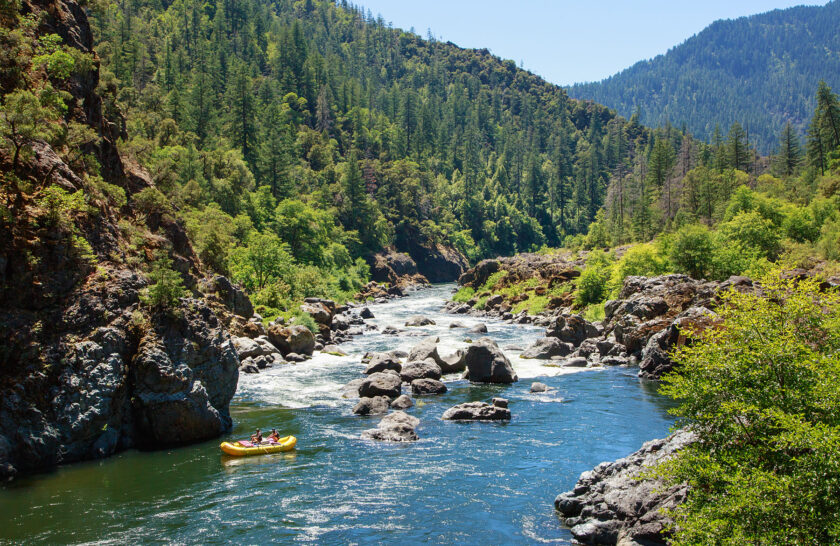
{"x":421,"y":387}
{"x":477,"y":411}
{"x":372,"y":405}
{"x":610,"y":505}
{"x":402,"y":402}
{"x":486,"y":363}
{"x":395,"y":427}
{"x":419,"y":321}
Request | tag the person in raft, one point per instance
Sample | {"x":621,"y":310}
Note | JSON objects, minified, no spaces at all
{"x":257,"y":437}
{"x":273,"y":437}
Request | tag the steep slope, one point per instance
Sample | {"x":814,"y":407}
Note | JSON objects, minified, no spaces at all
{"x":87,"y":366}
{"x":760,"y":71}
{"x":400,"y":140}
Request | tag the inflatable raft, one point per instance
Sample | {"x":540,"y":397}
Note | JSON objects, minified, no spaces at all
{"x":244,"y":448}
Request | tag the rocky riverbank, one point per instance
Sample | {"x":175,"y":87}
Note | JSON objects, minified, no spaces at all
{"x":612,"y":505}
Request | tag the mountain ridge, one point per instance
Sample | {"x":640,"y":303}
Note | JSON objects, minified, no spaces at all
{"x":719,"y":75}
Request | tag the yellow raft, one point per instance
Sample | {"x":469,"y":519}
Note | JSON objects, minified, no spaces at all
{"x":246,"y":449}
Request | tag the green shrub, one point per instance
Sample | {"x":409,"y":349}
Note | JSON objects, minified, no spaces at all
{"x":829,"y":242}
{"x":151,"y":201}
{"x":594,"y":312}
{"x":761,"y":392}
{"x":691,"y":250}
{"x":643,"y":259}
{"x":165,"y":285}
{"x":752,"y":231}
{"x":592,"y":283}
{"x":800,"y":225}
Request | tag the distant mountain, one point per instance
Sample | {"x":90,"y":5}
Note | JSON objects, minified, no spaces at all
{"x":761,"y":70}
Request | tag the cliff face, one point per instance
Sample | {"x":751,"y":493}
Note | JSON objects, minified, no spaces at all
{"x":85,"y":368}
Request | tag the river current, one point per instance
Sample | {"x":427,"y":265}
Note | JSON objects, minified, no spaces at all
{"x":467,"y":483}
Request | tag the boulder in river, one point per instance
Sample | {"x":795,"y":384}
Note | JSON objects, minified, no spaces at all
{"x":656,"y":356}
{"x":351,"y":389}
{"x":372,"y":406}
{"x":334,"y":350}
{"x":402,"y":402}
{"x":425,"y":350}
{"x":610,"y":505}
{"x":423,"y":369}
{"x":366,"y":313}
{"x":421,"y":387}
{"x":477,"y":411}
{"x":292,"y":339}
{"x":381,"y":384}
{"x":454,"y":325}
{"x":380,"y":362}
{"x":396,"y":427}
{"x":572,"y":329}
{"x":538,"y":387}
{"x":478,"y":329}
{"x":548,"y":347}
{"x":419,"y":320}
{"x":486,"y":363}
{"x":455,"y":363}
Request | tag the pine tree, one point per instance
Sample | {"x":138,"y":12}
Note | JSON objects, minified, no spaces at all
{"x":738,"y":152}
{"x":789,"y":155}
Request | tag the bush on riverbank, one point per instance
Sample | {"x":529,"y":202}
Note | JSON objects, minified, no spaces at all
{"x":762,"y":392}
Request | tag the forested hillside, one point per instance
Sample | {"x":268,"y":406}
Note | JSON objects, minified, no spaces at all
{"x":317,"y":131}
{"x":760,"y":71}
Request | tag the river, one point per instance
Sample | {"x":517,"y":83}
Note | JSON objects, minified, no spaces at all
{"x":463,"y":483}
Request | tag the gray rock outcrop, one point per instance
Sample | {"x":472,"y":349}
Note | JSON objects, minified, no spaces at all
{"x":486,"y":363}
{"x":477,"y":411}
{"x":610,"y":505}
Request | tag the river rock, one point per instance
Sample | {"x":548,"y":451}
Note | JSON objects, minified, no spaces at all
{"x":340,"y":323}
{"x":538,"y":387}
{"x":455,"y":363}
{"x":366,"y":313}
{"x":575,"y":362}
{"x":454,"y":325}
{"x":391,"y":330}
{"x":248,"y":366}
{"x":476,"y":411}
{"x":425,"y":350}
{"x":294,"y":357}
{"x":421,"y":387}
{"x":351,"y":389}
{"x":292,"y":339}
{"x":500,"y":402}
{"x":423,"y":369}
{"x":402,"y":402}
{"x":395,"y":427}
{"x":610,"y":505}
{"x":372,"y":406}
{"x":381,"y":384}
{"x":486,"y":363}
{"x":548,"y":347}
{"x":419,"y":321}
{"x":247,"y":347}
{"x":478,"y":329}
{"x":334,"y":350}
{"x":572,"y":329}
{"x":379,"y":362}
{"x":319,"y":312}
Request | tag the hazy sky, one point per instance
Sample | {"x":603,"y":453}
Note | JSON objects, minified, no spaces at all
{"x":568,"y":41}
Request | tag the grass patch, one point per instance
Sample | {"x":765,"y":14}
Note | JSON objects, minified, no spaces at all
{"x":464,"y":294}
{"x":594,"y":312}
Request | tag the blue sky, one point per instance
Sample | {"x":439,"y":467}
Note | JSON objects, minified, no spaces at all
{"x":568,"y":41}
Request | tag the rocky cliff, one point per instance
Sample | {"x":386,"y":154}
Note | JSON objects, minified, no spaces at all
{"x":611,"y":504}
{"x":86,"y":369}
